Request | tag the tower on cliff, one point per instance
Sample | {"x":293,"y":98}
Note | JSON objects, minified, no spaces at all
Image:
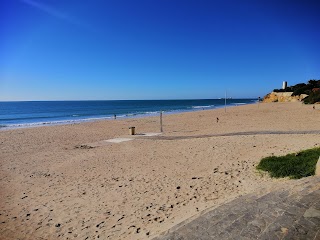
{"x":284,"y":84}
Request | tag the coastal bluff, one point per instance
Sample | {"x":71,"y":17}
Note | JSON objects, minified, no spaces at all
{"x":283,"y":97}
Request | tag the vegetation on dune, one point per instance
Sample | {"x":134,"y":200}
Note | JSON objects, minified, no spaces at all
{"x":312,"y":88}
{"x":302,"y":164}
{"x":312,"y":98}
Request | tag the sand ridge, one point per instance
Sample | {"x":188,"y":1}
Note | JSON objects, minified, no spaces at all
{"x":53,"y":189}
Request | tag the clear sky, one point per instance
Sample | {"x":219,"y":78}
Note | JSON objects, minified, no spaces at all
{"x":155,"y":49}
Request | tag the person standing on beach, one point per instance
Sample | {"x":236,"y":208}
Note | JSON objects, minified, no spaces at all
{"x":217,"y":119}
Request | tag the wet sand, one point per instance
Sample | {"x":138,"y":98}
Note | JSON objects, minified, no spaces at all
{"x":53,"y":185}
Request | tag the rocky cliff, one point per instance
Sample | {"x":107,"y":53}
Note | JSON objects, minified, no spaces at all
{"x":283,"y":97}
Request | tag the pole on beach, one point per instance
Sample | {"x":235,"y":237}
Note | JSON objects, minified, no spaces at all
{"x":161,"y":130}
{"x":225,"y":102}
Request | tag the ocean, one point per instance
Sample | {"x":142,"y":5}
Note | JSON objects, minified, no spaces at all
{"x":38,"y":113}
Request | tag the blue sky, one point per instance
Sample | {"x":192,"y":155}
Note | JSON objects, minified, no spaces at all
{"x":155,"y":49}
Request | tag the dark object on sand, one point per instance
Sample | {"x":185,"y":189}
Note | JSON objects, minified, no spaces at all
{"x":132,"y":130}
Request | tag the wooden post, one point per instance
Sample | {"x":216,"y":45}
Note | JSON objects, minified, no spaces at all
{"x":161,"y":130}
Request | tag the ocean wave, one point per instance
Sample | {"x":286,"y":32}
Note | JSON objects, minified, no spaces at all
{"x":92,"y":119}
{"x":142,"y":113}
{"x":239,"y":103}
{"x":207,"y":106}
{"x":50,"y":123}
{"x":121,"y":116}
{"x":153,"y":112}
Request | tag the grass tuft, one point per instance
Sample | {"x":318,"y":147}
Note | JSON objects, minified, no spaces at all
{"x":302,"y":164}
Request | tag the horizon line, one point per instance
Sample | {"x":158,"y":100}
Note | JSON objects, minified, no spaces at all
{"x":173,"y":99}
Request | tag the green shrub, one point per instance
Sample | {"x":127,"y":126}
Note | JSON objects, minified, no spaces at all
{"x":303,"y":90}
{"x":302,"y":164}
{"x":312,"y":98}
{"x":288,"y":89}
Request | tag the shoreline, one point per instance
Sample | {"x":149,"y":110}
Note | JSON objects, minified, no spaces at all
{"x":110,"y":118}
{"x":50,"y":188}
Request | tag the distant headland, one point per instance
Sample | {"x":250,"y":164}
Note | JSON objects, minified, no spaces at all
{"x":308,"y":93}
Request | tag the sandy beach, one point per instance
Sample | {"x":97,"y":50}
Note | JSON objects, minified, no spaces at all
{"x":65,"y":182}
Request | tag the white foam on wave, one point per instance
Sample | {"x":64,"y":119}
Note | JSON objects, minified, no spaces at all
{"x":207,"y":106}
{"x":121,"y":116}
{"x":141,"y":114}
{"x":154,"y":112}
{"x":93,"y":118}
{"x":239,"y":103}
{"x":49,"y":123}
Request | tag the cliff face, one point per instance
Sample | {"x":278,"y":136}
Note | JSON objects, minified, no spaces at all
{"x":283,"y":97}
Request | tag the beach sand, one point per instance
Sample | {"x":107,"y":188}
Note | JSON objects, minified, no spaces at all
{"x":55,"y":186}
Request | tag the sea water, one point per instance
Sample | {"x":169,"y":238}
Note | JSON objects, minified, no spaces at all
{"x":37,"y":113}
